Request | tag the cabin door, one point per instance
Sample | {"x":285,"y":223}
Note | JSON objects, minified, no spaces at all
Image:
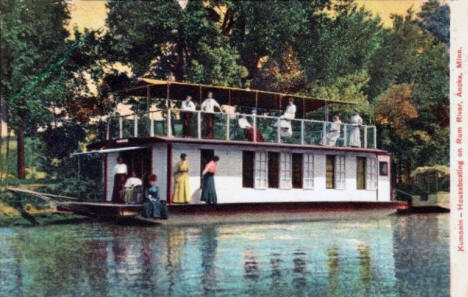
{"x":205,"y":157}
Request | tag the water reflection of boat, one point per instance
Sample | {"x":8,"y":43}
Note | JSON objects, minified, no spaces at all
{"x":272,"y":172}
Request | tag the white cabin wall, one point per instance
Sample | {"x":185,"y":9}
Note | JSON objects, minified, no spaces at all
{"x":111,"y":162}
{"x":384,"y":182}
{"x":159,"y":153}
{"x":228,"y":179}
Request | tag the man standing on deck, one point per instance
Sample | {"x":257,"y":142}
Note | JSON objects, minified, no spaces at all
{"x":187,"y":108}
{"x":284,"y":121}
{"x":208,"y":107}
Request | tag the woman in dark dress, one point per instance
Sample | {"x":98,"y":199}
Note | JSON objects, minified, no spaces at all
{"x":154,"y":206}
{"x":120,"y":176}
{"x":208,"y":185}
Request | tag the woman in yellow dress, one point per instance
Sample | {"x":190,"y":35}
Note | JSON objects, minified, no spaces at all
{"x":182,"y":185}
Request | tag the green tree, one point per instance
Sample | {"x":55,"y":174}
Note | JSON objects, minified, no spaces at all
{"x":413,"y":55}
{"x":33,"y":36}
{"x":159,"y":38}
{"x":344,"y":43}
{"x":436,"y":19}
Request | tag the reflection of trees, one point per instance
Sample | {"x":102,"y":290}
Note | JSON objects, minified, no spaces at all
{"x":333,"y":266}
{"x":209,"y":241}
{"x":51,"y":260}
{"x":147,"y":260}
{"x":96,"y":269}
{"x":420,"y":248}
{"x":365,"y":277}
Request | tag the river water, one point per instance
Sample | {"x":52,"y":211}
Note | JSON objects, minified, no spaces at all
{"x":390,"y":256}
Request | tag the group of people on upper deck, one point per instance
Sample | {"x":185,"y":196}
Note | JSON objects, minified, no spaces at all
{"x":209,"y":105}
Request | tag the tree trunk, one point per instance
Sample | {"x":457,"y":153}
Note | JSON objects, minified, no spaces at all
{"x":20,"y":153}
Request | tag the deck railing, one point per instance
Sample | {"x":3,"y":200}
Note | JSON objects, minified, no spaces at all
{"x":270,"y":129}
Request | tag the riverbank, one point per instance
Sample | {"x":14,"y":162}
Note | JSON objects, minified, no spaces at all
{"x":31,"y":216}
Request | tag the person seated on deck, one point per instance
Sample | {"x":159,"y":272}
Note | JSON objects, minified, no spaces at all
{"x":133,"y":187}
{"x":154,"y":206}
{"x":249,"y":130}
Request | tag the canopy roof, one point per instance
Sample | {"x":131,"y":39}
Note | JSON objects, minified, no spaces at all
{"x":226,"y":95}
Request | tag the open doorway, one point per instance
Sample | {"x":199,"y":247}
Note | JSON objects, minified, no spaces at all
{"x":140,"y":162}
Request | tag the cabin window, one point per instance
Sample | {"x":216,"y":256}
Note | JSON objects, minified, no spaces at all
{"x":340,"y":172}
{"x":297,"y":171}
{"x":248,"y":169}
{"x":308,"y":171}
{"x":383,"y":168}
{"x":371,"y":170}
{"x":260,"y":170}
{"x":273,"y":170}
{"x":361,"y":173}
{"x":330,"y":173}
{"x":285,"y":171}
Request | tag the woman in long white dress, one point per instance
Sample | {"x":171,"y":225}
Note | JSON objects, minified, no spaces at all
{"x":334,"y":133}
{"x":355,"y":135}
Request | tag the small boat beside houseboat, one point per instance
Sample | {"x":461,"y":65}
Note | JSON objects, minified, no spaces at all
{"x":268,"y":162}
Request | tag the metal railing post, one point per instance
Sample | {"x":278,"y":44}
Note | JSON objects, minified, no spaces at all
{"x":108,"y":128}
{"x":254,"y":128}
{"x":135,"y":128}
{"x":375,"y":137}
{"x":365,"y":136}
{"x":169,"y":130}
{"x":278,"y":130}
{"x":199,"y":124}
{"x":324,"y":132}
{"x":120,"y":127}
{"x":302,"y":131}
{"x":345,"y":135}
{"x":227,"y":127}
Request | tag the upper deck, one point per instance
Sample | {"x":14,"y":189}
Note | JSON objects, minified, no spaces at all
{"x":169,"y":124}
{"x":246,"y":113}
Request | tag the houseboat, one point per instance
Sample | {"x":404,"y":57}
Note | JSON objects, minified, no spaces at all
{"x":272,"y":163}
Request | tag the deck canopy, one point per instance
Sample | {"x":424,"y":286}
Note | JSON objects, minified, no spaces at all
{"x":154,"y":88}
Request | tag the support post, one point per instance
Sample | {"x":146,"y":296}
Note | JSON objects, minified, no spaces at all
{"x":327,"y":111}
{"x":120,"y":127}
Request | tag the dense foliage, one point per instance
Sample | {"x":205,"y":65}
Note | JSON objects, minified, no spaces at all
{"x":331,"y":49}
